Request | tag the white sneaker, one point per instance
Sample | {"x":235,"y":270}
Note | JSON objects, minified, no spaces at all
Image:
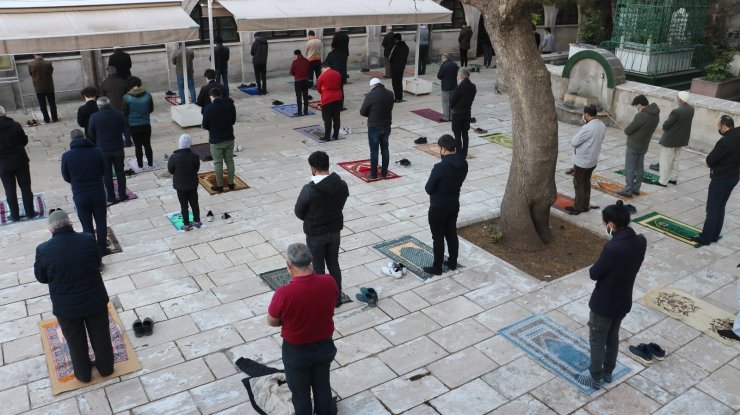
{"x":391,"y":272}
{"x":394,"y":270}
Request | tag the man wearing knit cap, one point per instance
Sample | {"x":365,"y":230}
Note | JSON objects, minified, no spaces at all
{"x":70,"y":263}
{"x":184,"y":165}
{"x":83,"y":167}
{"x":676,"y":134}
{"x":378,"y":108}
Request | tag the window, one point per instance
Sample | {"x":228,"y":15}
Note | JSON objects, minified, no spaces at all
{"x":356,"y":30}
{"x":283,"y":34}
{"x":223,"y":26}
{"x":567,"y":15}
{"x":400,"y":28}
{"x":458,"y":15}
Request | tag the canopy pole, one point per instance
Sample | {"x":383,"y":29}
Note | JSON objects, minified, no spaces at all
{"x":210,"y":31}
{"x":418,"y":42}
{"x":186,"y":81}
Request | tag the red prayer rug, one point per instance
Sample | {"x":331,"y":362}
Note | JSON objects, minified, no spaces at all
{"x":361,"y":168}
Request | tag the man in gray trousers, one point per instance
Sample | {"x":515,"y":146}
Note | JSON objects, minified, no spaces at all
{"x":639,"y":133}
{"x":676,"y":134}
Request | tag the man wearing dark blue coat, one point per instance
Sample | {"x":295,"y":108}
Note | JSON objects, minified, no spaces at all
{"x":106,"y":130}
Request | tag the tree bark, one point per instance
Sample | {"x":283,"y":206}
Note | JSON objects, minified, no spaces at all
{"x":530,"y":189}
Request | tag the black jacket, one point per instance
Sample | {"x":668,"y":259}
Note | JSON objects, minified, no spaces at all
{"x":399,"y":56}
{"x":114,"y":88}
{"x":463,"y":39}
{"x":461,"y":100}
{"x":378,"y":107}
{"x":337,"y":60}
{"x":219,"y":118}
{"x":204,"y":97}
{"x":677,"y":128}
{"x":724,"y":159}
{"x":70,"y":263}
{"x":615,"y":272}
{"x":448,"y":75}
{"x":259,"y":51}
{"x":106,"y":129}
{"x":122,"y":62}
{"x":388,"y":44}
{"x":341,"y":41}
{"x":320,"y":205}
{"x":84,"y":113}
{"x":183,"y":165}
{"x":83,"y":167}
{"x":13,"y":141}
{"x":445,"y":181}
{"x":221,"y":53}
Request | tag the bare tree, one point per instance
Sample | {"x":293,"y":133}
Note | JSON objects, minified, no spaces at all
{"x":530,"y":190}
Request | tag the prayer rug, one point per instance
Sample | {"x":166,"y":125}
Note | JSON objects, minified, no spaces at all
{"x":375,"y":74}
{"x":172,"y":99}
{"x":133,"y":165}
{"x":203,"y":150}
{"x":693,"y":311}
{"x":315,"y":105}
{"x":556,"y":348}
{"x":360,"y":168}
{"x":610,"y":187}
{"x":314,"y":132}
{"x":279,"y":277}
{"x":289,"y":110}
{"x":671,"y":227}
{"x":131,"y":195}
{"x":208,"y":179}
{"x":500,"y":139}
{"x":39,"y":205}
{"x":564,"y":200}
{"x":175,"y":219}
{"x":250,"y":90}
{"x":59,"y":362}
{"x":433,"y":149}
{"x":112,"y":242}
{"x":649,"y":178}
{"x":429,"y":114}
{"x":412,"y":253}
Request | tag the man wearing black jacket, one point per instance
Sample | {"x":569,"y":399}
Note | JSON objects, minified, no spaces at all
{"x":221,"y":64}
{"x":14,"y":166}
{"x":90,"y":107}
{"x":398,"y":58}
{"x":724,"y":165}
{"x":388,"y":44}
{"x":320,"y":206}
{"x":443,"y":188}
{"x":447,"y":74}
{"x":259,"y":60}
{"x":219,"y":119}
{"x":105,"y":128}
{"x":183,"y":165}
{"x":122,"y":62}
{"x":204,"y":94}
{"x":378,"y":108}
{"x":461,"y":103}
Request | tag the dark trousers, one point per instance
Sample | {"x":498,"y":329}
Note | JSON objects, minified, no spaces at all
{"x":306,"y":371}
{"x":314,"y":70}
{"x":114,"y":160}
{"x":460,"y":130}
{"x":330,"y":113}
{"x":301,"y":96}
{"x":142,"y":136}
{"x":487,"y":55}
{"x":423,"y":52}
{"x":397,"y":82}
{"x":222,"y":77}
{"x":603,"y":336}
{"x":22,"y":176}
{"x":260,"y":74}
{"x":51,"y":99}
{"x":377,"y":137}
{"x":189,"y":197}
{"x":76,"y":330}
{"x":91,"y":206}
{"x":443,"y":224}
{"x":719,"y":193}
{"x":582,"y":186}
{"x":325,"y":250}
{"x":463,"y":57}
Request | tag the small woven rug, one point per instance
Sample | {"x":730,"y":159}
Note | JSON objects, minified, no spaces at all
{"x":500,"y":139}
{"x":208,"y":179}
{"x":289,"y":110}
{"x":609,"y":187}
{"x":279,"y":277}
{"x":315,"y":105}
{"x":314,"y":132}
{"x":203,"y":150}
{"x":649,"y":178}
{"x":361,"y":168}
{"x":175,"y":219}
{"x":112,"y":242}
{"x":412,"y":253}
{"x":133,"y":165}
{"x":693,"y":311}
{"x":433,"y":149}
{"x":429,"y":114}
{"x":39,"y":205}
{"x":59,"y":362}
{"x":556,"y":348}
{"x":172,"y":99}
{"x":131,"y":195}
{"x":564,"y":201}
{"x":671,"y":227}
{"x":374,"y":74}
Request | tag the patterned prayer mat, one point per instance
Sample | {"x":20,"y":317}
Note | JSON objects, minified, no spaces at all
{"x":133,"y":165}
{"x":208,"y":179}
{"x":203,"y":150}
{"x":412,"y":253}
{"x":500,"y":139}
{"x":610,"y":187}
{"x":429,"y":114}
{"x":172,"y":99}
{"x":112,"y":242}
{"x":314,"y":132}
{"x":671,"y":227}
{"x":359,"y":168}
{"x":175,"y":219}
{"x":131,"y":195}
{"x":433,"y":149}
{"x":553,"y":346}
{"x":39,"y":205}
{"x":649,"y":178}
{"x":59,"y":362}
{"x":289,"y":110}
{"x":695,"y":312}
{"x":564,"y":200}
{"x":315,"y":105}
{"x":375,"y":74}
{"x":279,"y":277}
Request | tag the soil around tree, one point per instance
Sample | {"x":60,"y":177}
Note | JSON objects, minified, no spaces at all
{"x":571,"y":248}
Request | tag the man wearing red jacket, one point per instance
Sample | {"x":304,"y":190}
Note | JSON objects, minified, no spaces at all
{"x":300,"y":71}
{"x":330,"y":87}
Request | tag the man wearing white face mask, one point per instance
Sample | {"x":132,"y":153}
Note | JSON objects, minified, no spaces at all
{"x":676,"y":134}
{"x":639,"y":133}
{"x":586,"y":148}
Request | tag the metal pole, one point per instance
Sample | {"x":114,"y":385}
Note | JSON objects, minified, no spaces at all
{"x":210,"y":31}
{"x":186,"y":81}
{"x":418,"y":42}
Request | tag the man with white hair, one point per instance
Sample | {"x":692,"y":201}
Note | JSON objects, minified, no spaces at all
{"x":448,"y":75}
{"x":106,"y":129}
{"x":676,"y":134}
{"x":14,"y":166}
{"x":378,"y":108}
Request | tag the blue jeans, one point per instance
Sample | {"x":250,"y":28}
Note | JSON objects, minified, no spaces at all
{"x":222,"y":77}
{"x":91,"y":205}
{"x":378,"y":136}
{"x":719,"y":192}
{"x":306,"y":370}
{"x":181,"y":88}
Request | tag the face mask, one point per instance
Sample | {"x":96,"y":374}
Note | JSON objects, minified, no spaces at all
{"x":719,"y":130}
{"x":608,"y":231}
{"x":583,"y":121}
{"x":636,"y":109}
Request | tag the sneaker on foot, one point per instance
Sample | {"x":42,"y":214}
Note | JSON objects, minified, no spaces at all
{"x":585,"y":379}
{"x":625,"y":194}
{"x":451,"y":266}
{"x":197,"y":224}
{"x":232,"y":186}
{"x":606,"y":377}
{"x":187,"y":228}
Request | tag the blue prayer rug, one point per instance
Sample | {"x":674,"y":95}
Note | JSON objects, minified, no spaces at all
{"x":412,"y":253}
{"x":289,"y":110}
{"x":279,"y":277}
{"x":175,"y":219}
{"x":556,"y":348}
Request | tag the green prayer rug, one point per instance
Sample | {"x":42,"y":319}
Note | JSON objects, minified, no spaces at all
{"x":649,"y":178}
{"x":500,"y":139}
{"x":671,"y":227}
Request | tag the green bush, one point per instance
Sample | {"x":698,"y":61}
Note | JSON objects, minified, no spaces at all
{"x":591,"y":30}
{"x":718,"y":71}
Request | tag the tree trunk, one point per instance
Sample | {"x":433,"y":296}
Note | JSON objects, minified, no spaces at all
{"x":530,"y":190}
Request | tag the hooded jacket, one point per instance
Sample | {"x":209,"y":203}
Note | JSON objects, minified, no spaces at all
{"x":137,"y":105}
{"x":183,"y":165}
{"x":388,"y":44}
{"x":445,"y":181}
{"x":320,"y":205}
{"x":378,"y":107}
{"x":724,"y":159}
{"x":83,"y":167}
{"x":642,"y":127}
{"x":13,"y":141}
{"x":259,"y":51}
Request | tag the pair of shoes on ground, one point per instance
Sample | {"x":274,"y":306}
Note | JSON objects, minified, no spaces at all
{"x":480,"y":131}
{"x":32,"y":123}
{"x":420,"y":140}
{"x":368,"y":296}
{"x":325,"y":139}
{"x":573,"y":211}
{"x":645,"y":353}
{"x":220,"y":189}
{"x":143,"y":328}
{"x":121,"y":199}
{"x":370,"y":177}
{"x":190,"y":226}
{"x":394,"y":270}
{"x":438,"y":271}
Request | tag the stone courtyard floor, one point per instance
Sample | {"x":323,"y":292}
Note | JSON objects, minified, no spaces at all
{"x":203,"y":291}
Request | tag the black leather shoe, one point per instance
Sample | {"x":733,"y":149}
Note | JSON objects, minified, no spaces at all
{"x":218,"y":189}
{"x":432,"y":270}
{"x":148,"y":326}
{"x":138,"y":328}
{"x":661,"y":184}
{"x":452,"y":266}
{"x":674,"y":182}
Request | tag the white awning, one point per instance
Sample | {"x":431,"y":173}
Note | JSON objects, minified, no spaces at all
{"x":71,"y":25}
{"x":266,"y":15}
